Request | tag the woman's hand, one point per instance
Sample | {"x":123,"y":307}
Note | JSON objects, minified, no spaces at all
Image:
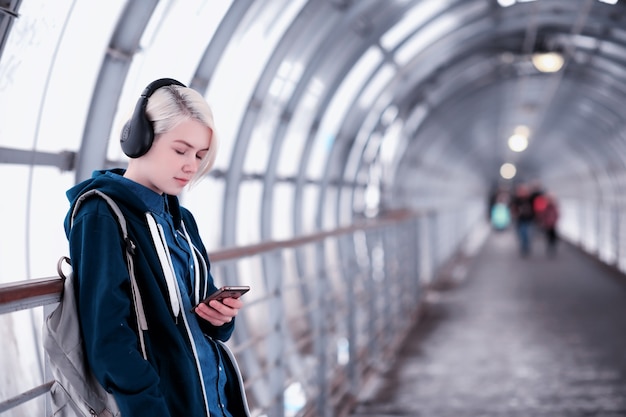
{"x":221,"y":312}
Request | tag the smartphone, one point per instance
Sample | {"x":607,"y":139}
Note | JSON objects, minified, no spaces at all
{"x":231,"y":291}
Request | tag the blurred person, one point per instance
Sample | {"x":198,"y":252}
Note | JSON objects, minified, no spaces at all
{"x":548,"y":221}
{"x":188,"y":371}
{"x":523,"y":215}
{"x":501,"y":213}
{"x":491,"y":200}
{"x":537,"y":195}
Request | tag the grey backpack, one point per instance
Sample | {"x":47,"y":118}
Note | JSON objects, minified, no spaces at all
{"x":75,"y":391}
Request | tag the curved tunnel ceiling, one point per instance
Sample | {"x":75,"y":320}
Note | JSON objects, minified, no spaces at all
{"x":435,"y":89}
{"x":329,"y":111}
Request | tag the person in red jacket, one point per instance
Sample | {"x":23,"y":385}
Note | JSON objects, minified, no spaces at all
{"x":548,"y":221}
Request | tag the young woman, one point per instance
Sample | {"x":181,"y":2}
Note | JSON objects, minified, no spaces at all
{"x":187,"y":370}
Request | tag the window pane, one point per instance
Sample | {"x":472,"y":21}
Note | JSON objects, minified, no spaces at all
{"x":337,"y":109}
{"x":240,"y":68}
{"x":204,"y":200}
{"x":45,"y":93}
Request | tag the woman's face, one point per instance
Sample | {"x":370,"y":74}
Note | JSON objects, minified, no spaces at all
{"x":173,"y":159}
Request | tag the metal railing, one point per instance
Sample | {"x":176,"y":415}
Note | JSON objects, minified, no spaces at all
{"x":325,"y":310}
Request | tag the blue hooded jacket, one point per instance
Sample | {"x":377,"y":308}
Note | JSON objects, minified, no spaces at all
{"x":169,"y":383}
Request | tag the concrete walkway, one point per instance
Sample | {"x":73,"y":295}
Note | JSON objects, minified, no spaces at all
{"x":519,"y":337}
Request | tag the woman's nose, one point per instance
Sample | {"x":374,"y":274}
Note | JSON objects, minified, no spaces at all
{"x":191,"y":165}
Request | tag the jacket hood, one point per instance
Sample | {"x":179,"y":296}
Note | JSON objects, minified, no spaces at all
{"x":127,"y":200}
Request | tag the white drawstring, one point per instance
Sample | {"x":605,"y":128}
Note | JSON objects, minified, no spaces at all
{"x":196,"y":255}
{"x":158,"y":237}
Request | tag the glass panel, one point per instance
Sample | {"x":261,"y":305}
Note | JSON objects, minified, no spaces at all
{"x":19,"y":360}
{"x":389,"y":145}
{"x":257,"y":152}
{"x":45,"y":97}
{"x":248,"y":213}
{"x":330,"y":209}
{"x":291,"y":153}
{"x":47,"y":211}
{"x":75,"y":72}
{"x":34,"y":222}
{"x":337,"y":109}
{"x":310,"y":200}
{"x":263,"y":137}
{"x":426,"y":37}
{"x":376,"y":85}
{"x":283,"y":211}
{"x":204,"y":201}
{"x":232,"y":86}
{"x":415,"y":18}
{"x":13,"y":223}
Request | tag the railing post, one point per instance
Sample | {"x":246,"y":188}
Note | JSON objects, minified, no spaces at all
{"x":349,"y":262}
{"x":321,"y":339}
{"x":275,"y":344}
{"x":417,"y":256}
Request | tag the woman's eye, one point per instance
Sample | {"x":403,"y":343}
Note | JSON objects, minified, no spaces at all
{"x":179,"y":152}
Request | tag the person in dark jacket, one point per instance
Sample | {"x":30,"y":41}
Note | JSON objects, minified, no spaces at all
{"x":189,"y":371}
{"x":524,"y":215}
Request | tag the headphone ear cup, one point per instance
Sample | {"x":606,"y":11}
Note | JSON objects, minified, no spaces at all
{"x":125,"y":133}
{"x":137,"y":134}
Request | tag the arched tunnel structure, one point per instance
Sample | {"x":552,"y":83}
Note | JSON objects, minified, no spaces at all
{"x":333,"y":115}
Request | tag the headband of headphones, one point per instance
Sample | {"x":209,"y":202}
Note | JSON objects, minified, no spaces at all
{"x":138,"y":133}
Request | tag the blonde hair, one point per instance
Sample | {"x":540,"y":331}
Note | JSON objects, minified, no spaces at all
{"x":168,"y":106}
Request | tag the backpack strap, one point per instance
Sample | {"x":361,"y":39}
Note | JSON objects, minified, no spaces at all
{"x":142,"y":323}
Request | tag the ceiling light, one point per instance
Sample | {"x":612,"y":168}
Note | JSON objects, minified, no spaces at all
{"x":548,"y":61}
{"x":508,"y":171}
{"x":506,"y":3}
{"x":518,"y":143}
